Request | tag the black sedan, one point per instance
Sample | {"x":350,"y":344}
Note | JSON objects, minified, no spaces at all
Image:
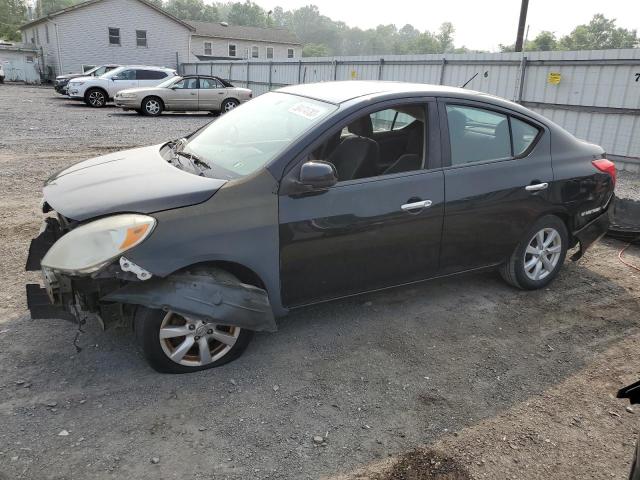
{"x":307,"y":194}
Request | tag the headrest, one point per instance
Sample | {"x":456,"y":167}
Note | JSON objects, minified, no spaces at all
{"x":361,"y":127}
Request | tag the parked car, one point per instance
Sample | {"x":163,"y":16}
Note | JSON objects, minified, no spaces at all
{"x":188,"y":93}
{"x":97,"y":91}
{"x":1,"y":74}
{"x":306,"y":194}
{"x":62,"y":81}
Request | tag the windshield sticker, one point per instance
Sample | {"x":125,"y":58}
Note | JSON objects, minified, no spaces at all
{"x":307,"y":110}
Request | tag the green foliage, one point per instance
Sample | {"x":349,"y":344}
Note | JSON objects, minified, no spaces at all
{"x":600,"y":33}
{"x":44,"y":7}
{"x":315,"y":50}
{"x":247,"y":13}
{"x":195,"y":10}
{"x":13,"y":14}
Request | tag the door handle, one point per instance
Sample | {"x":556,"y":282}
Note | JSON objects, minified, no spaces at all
{"x":408,"y":207}
{"x":536,"y":187}
{"x":220,"y":93}
{"x":192,"y":93}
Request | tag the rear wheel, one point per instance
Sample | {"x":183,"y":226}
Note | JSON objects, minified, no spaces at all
{"x":539,"y":256}
{"x":95,"y":98}
{"x":228,"y":105}
{"x":152,"y":106}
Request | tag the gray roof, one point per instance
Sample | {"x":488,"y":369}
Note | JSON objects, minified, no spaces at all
{"x":237,"y":32}
{"x":91,"y":2}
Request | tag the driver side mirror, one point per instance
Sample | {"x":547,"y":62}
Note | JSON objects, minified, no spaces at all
{"x":318,"y":174}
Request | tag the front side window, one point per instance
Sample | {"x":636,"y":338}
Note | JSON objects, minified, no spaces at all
{"x":250,"y":136}
{"x":114,"y":36}
{"x":255,"y":52}
{"x":477,"y":135}
{"x":290,"y":53}
{"x":232,"y":50}
{"x":186,"y":84}
{"x":141,"y":38}
{"x":207,"y":48}
{"x":363,"y":148}
{"x":125,"y":75}
{"x":269,"y":52}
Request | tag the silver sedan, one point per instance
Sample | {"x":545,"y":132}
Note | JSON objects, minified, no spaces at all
{"x":188,"y":93}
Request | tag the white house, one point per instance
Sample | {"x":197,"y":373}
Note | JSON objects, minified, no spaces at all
{"x":20,"y":62}
{"x":96,"y":32}
{"x":215,"y":41}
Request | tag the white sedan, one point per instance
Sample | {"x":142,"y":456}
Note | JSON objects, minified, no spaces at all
{"x":97,"y":91}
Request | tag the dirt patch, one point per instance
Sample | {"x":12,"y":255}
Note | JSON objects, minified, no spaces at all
{"x":425,"y":465}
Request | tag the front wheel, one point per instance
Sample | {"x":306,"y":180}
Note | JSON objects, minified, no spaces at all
{"x":152,"y":106}
{"x":228,"y":105}
{"x":173,"y":343}
{"x":539,"y":256}
{"x":95,"y":98}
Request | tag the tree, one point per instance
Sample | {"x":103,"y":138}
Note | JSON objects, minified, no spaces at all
{"x":544,"y":41}
{"x":13,"y":14}
{"x":315,"y":50}
{"x":600,"y":33}
{"x":445,"y":37}
{"x":195,"y":10}
{"x":247,"y":13}
{"x":44,"y":7}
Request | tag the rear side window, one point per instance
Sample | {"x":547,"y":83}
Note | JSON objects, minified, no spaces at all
{"x":476,"y":135}
{"x":151,"y":75}
{"x":523,"y":135}
{"x":210,"y":83}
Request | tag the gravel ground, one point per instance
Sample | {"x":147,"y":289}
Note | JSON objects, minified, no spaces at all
{"x":628,"y":185}
{"x":489,"y":381}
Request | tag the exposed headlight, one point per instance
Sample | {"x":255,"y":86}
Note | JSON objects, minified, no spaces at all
{"x":90,"y":247}
{"x":126,"y":95}
{"x":75,"y":84}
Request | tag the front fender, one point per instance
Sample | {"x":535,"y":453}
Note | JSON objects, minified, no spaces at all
{"x":209,"y":296}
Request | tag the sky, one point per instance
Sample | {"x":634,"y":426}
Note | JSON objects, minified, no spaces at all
{"x":479,"y":24}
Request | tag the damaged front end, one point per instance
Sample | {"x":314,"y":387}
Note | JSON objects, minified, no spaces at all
{"x":111,"y":289}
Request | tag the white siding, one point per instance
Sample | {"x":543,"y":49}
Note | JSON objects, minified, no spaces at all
{"x":84,"y":36}
{"x":220,"y":47}
{"x":16,"y":68}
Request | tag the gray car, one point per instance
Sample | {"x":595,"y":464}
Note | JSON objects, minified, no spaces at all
{"x":187,"y":93}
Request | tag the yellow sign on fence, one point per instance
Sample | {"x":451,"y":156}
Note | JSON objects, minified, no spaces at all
{"x":554,"y":78}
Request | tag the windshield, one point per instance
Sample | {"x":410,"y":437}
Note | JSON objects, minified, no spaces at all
{"x":247,"y":138}
{"x":169,"y":82}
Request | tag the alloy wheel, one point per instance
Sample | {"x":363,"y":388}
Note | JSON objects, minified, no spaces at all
{"x":228,"y":106}
{"x":194,"y":343}
{"x":542,"y":254}
{"x":152,"y":107}
{"x":96,"y":99}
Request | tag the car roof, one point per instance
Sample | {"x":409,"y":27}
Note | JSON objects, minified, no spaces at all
{"x":344,"y":91}
{"x":148,"y":67}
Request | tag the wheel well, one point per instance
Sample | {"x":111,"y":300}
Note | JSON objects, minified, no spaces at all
{"x":231,"y":98}
{"x":242,"y":273}
{"x":152,"y":96}
{"x":566,"y":219}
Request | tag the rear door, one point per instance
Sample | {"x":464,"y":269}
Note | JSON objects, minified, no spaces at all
{"x":363,"y":233}
{"x":182,"y":95}
{"x":211,"y":94}
{"x":497,"y":173}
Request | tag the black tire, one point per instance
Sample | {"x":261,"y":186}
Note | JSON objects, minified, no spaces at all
{"x":95,"y":97}
{"x":228,"y":105}
{"x":152,"y":106}
{"x":514,"y":270}
{"x":147,"y":324}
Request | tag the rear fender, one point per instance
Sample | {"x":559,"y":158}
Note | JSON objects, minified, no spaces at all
{"x":210,"y":296}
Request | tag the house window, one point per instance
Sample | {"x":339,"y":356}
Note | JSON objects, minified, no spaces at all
{"x":232,"y":50}
{"x":29,"y":59}
{"x":207,"y":48}
{"x":141,"y":38}
{"x":46,"y":32}
{"x":289,"y":52}
{"x":114,"y":36}
{"x":37,"y":36}
{"x":255,"y":52}
{"x":269,"y":52}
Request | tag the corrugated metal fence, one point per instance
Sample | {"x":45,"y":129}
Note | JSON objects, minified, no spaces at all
{"x":593,"y":94}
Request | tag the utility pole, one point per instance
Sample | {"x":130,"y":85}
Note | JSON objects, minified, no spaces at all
{"x":521,"y":23}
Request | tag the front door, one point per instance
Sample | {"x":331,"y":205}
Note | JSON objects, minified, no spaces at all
{"x":182,"y":95}
{"x":496,"y":181}
{"x":123,"y":80}
{"x":212,"y":92}
{"x":366,"y":232}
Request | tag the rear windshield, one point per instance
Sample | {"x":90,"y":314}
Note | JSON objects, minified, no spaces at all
{"x":250,"y":136}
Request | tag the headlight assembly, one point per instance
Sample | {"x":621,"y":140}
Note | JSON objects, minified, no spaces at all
{"x":90,"y":247}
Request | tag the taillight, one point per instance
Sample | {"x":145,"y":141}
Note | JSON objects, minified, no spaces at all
{"x":606,"y":166}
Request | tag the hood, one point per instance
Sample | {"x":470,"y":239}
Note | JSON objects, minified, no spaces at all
{"x":138,"y":180}
{"x":83,"y":78}
{"x":69,"y":76}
